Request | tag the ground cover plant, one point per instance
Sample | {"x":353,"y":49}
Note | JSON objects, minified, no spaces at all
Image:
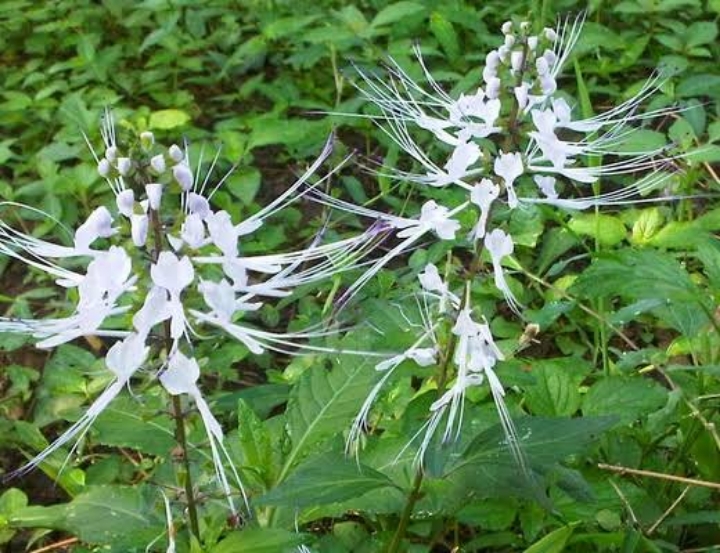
{"x":471,"y":319}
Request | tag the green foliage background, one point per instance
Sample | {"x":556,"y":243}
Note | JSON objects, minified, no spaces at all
{"x":626,"y":371}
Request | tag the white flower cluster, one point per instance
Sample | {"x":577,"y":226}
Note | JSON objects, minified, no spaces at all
{"x":513,"y":141}
{"x":152,"y":264}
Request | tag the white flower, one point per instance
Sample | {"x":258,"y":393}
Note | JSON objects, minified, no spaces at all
{"x":509,"y":167}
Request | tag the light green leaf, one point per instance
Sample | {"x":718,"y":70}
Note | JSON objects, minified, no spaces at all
{"x":396,"y":12}
{"x":606,"y":229}
{"x":554,"y":542}
{"x":259,"y":540}
{"x":646,"y":225}
{"x":168,"y":119}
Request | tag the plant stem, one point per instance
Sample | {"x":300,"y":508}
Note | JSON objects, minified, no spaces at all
{"x":415,"y":494}
{"x":178,"y":414}
{"x":181,"y":439}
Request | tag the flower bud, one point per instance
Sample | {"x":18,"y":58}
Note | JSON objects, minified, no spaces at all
{"x":492,"y":60}
{"x":139,"y":229}
{"x":154,"y":194}
{"x":542,"y":66}
{"x":492,"y":90}
{"x":124,"y":166}
{"x":183,"y":175}
{"x":524,"y":26}
{"x":147,"y":139}
{"x":104,"y":168}
{"x":550,"y":34}
{"x":509,"y":41}
{"x":548,"y":85}
{"x":198,"y":205}
{"x":517,"y":57}
{"x":532,"y":42}
{"x":550,"y":56}
{"x":176,"y":154}
{"x":506,"y":28}
{"x":111,"y":153}
{"x":158,"y":163}
{"x":125,"y":201}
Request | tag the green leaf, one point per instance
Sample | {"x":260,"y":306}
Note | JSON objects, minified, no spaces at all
{"x":445,"y":35}
{"x":554,"y":542}
{"x":259,"y":540}
{"x":168,"y":119}
{"x":324,"y":402}
{"x":556,"y":390}
{"x":255,"y":443}
{"x":606,"y":229}
{"x":396,"y":12}
{"x":116,"y":516}
{"x":646,"y":226}
{"x":325,"y":479}
{"x":124,"y":424}
{"x":244,"y":184}
{"x":487,"y":466}
{"x":627,"y":398}
{"x":646,"y":275}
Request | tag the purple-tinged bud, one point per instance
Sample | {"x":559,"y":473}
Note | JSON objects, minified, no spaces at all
{"x":154,"y":194}
{"x":548,"y":85}
{"x":176,"y":154}
{"x":550,"y":34}
{"x":198,"y":205}
{"x":492,"y":60}
{"x":542,"y":67}
{"x":139,"y":229}
{"x":104,"y":168}
{"x":550,"y":56}
{"x":124,"y":166}
{"x":125,"y":201}
{"x":158,"y":164}
{"x":183,"y":175}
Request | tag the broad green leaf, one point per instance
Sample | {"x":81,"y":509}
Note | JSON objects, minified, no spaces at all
{"x":168,"y":119}
{"x":606,"y":229}
{"x":646,"y":275}
{"x":488,"y":467}
{"x":328,"y":478}
{"x":396,"y":12}
{"x":625,"y":397}
{"x":556,"y":386}
{"x":554,"y":542}
{"x":126,"y":424}
{"x":323,"y":403}
{"x":259,"y":540}
{"x":116,"y":516}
